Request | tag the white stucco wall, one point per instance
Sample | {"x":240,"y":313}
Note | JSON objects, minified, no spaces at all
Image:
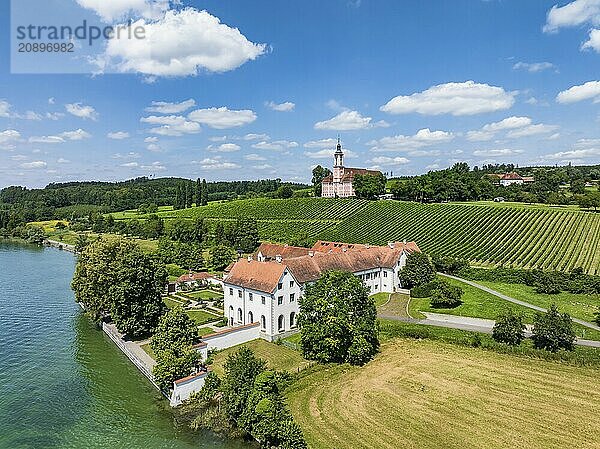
{"x":183,"y":390}
{"x":232,"y":337}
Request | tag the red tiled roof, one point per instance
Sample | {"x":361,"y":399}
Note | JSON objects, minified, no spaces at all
{"x":271,"y":250}
{"x":337,"y":247}
{"x":194,"y":277}
{"x":350,"y":173}
{"x":193,"y":376}
{"x":261,"y":276}
{"x":511,"y":177}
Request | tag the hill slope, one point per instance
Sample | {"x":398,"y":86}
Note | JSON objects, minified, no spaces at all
{"x":485,"y":234}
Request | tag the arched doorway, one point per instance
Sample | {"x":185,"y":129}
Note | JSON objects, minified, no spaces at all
{"x":231,"y":315}
{"x":250,"y":318}
{"x":240,"y":316}
{"x":293,"y":319}
{"x":263,"y":323}
{"x":281,"y":323}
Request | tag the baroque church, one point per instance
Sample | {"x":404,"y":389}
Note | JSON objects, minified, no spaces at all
{"x":340,"y":184}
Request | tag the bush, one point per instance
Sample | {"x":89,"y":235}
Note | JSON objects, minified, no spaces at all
{"x":509,"y":329}
{"x":553,"y":331}
{"x":446,"y":296}
{"x":548,"y":284}
{"x":449,"y":265}
{"x":425,"y":290}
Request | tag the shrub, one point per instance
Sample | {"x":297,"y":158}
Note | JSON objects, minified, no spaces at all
{"x":548,"y":284}
{"x":425,"y":290}
{"x":553,"y":331}
{"x":446,"y":296}
{"x":509,"y":329}
{"x":450,"y":265}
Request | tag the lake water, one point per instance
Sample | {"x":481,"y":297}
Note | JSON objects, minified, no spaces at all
{"x":63,"y":383}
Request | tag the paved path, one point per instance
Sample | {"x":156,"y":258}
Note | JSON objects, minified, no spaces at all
{"x":515,"y":301}
{"x":468,"y":324}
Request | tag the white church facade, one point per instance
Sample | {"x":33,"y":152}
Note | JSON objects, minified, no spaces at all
{"x":340,"y":184}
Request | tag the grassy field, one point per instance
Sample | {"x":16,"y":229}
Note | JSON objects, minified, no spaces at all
{"x":427,"y":394}
{"x":201,"y":317}
{"x":578,"y":306}
{"x":278,"y":357}
{"x":476,"y":304}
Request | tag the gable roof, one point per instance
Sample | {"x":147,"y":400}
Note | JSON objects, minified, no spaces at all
{"x":511,"y":177}
{"x":350,"y":173}
{"x":194,"y":277}
{"x":337,"y":247}
{"x":271,"y":250}
{"x":261,"y":276}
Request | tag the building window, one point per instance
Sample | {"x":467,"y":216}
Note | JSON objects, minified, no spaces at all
{"x":231,"y":315}
{"x":262,"y":300}
{"x":240,"y":316}
{"x":250,"y":318}
{"x":250,"y":296}
{"x":293,"y":319}
{"x":280,"y":300}
{"x":281,"y":323}
{"x":291,"y":284}
{"x":385,"y":274}
{"x":292,"y":297}
{"x":280,"y":285}
{"x":230,"y":292}
{"x":239,"y":293}
{"x":263,"y":323}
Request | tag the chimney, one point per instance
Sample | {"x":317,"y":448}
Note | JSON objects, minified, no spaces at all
{"x":278,"y":258}
{"x":250,"y":258}
{"x":391,"y":245}
{"x":404,"y":242}
{"x":311,"y":253}
{"x":344,"y":249}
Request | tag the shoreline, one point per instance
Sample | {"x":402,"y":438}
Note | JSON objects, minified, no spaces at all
{"x":59,"y":245}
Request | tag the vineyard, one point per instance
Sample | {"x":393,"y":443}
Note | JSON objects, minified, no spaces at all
{"x":487,"y":235}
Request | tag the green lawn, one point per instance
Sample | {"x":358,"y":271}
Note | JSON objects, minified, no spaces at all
{"x":380,"y":298}
{"x":578,"y":306}
{"x":201,"y":317}
{"x":171,"y":304}
{"x":480,"y":304}
{"x":476,"y":304}
{"x":205,"y":331}
{"x":204,"y":294}
{"x":278,"y":357}
{"x":148,"y":350}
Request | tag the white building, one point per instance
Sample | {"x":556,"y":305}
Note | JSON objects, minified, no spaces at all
{"x":340,"y":184}
{"x":267,"y":291}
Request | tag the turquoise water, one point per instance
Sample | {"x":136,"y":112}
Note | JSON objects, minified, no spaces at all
{"x":63,"y":384}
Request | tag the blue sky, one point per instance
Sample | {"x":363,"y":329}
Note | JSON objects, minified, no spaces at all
{"x":408,"y":85}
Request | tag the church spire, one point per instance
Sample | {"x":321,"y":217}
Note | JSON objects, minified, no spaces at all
{"x":338,"y":155}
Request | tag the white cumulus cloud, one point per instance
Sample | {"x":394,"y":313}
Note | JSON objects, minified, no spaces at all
{"x":171,"y":125}
{"x":33,"y":165}
{"x":78,"y":134}
{"x":281,"y":107}
{"x":222,"y":118}
{"x":111,"y":10}
{"x":82,"y":111}
{"x":118,"y":135}
{"x":497,"y":152}
{"x":572,"y":14}
{"x":534,"y":67}
{"x":224,"y":148}
{"x":181,"y":43}
{"x":348,"y":121}
{"x":468,"y":98}
{"x":423,"y":138}
{"x":586,"y":91}
{"x":276,"y":145}
{"x":390,"y":161}
{"x":163,"y":107}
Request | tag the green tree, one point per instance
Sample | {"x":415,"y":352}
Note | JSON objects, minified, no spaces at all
{"x":81,"y":242}
{"x":369,"y":186}
{"x":246,"y":235}
{"x":418,"y":270}
{"x":198,"y":193}
{"x":221,"y":256}
{"x":547,"y":283}
{"x":204,"y":198}
{"x":509,"y":328}
{"x":446,"y":296}
{"x":241,"y":369}
{"x":338,"y":320}
{"x":284,"y":192}
{"x":172,"y":344}
{"x":116,"y":277}
{"x":553,"y":330}
{"x":319,"y":173}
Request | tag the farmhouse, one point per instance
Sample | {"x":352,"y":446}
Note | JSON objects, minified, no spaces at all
{"x":509,"y":179}
{"x":340,"y":184}
{"x":266,"y":289}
